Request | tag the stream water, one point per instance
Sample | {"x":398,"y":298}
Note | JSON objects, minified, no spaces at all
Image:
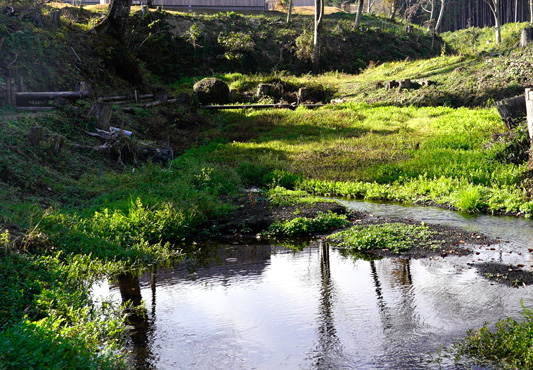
{"x":258,"y":306}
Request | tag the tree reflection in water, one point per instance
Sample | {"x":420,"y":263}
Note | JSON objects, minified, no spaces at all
{"x":142,"y":334}
{"x":329,"y":349}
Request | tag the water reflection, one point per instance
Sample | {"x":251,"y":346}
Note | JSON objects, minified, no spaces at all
{"x":263,"y":307}
{"x":329,"y":351}
{"x":141,"y":336}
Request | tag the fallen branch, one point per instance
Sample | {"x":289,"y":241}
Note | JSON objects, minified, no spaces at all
{"x":119,"y":143}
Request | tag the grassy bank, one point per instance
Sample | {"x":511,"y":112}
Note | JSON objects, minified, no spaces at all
{"x":438,"y":155}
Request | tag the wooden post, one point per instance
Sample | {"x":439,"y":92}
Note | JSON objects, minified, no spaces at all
{"x":529,"y":109}
{"x":21,"y":87}
{"x":11,"y":91}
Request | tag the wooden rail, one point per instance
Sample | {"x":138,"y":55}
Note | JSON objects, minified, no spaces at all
{"x":51,"y":95}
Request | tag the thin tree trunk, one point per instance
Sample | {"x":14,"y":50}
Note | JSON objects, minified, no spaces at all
{"x":360,"y":5}
{"x":531,"y":12}
{"x":319,"y":10}
{"x":498,"y":28}
{"x":441,"y":16}
{"x":289,"y":11}
{"x":431,"y":15}
{"x":394,"y":7}
{"x":494,"y":6}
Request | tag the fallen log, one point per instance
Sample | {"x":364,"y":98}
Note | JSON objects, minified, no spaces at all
{"x":51,"y":95}
{"x":36,"y":109}
{"x":122,"y":99}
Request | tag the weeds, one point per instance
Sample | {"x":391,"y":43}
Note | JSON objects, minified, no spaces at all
{"x":303,"y":226}
{"x":507,"y":346}
{"x":393,"y":236}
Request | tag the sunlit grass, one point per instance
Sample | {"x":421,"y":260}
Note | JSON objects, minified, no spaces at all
{"x":410,"y":154}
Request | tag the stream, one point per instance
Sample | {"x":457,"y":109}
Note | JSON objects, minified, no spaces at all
{"x":262,"y":306}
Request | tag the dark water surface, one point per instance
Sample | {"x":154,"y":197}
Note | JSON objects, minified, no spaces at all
{"x":269,"y":307}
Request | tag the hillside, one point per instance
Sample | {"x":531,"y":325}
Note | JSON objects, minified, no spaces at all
{"x":172,"y":45}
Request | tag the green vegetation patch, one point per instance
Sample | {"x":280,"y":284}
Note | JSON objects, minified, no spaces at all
{"x":280,"y":196}
{"x":391,"y":236}
{"x":303,"y":226}
{"x":509,"y":345}
{"x":47,"y":318}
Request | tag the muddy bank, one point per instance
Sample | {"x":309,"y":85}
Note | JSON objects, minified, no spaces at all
{"x":254,"y":216}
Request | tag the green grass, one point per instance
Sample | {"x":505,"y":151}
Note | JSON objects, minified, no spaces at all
{"x":435,"y":154}
{"x":47,"y":317}
{"x":303,"y":226}
{"x":390,"y":236}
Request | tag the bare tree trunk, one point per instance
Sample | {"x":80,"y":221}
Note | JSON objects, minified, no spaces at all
{"x":531,"y":12}
{"x":498,"y":28}
{"x":494,"y":6}
{"x":116,"y":20}
{"x":289,"y":11}
{"x":319,"y":11}
{"x":431,"y":15}
{"x":360,"y":5}
{"x":370,"y":5}
{"x":441,"y":16}
{"x":394,"y":7}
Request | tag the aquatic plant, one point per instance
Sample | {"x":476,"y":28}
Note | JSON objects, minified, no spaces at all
{"x":301,"y":226}
{"x":509,"y":345}
{"x":393,"y":236}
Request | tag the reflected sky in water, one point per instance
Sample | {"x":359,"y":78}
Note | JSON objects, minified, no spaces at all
{"x":265,"y":307}
{"x":270,"y":308}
